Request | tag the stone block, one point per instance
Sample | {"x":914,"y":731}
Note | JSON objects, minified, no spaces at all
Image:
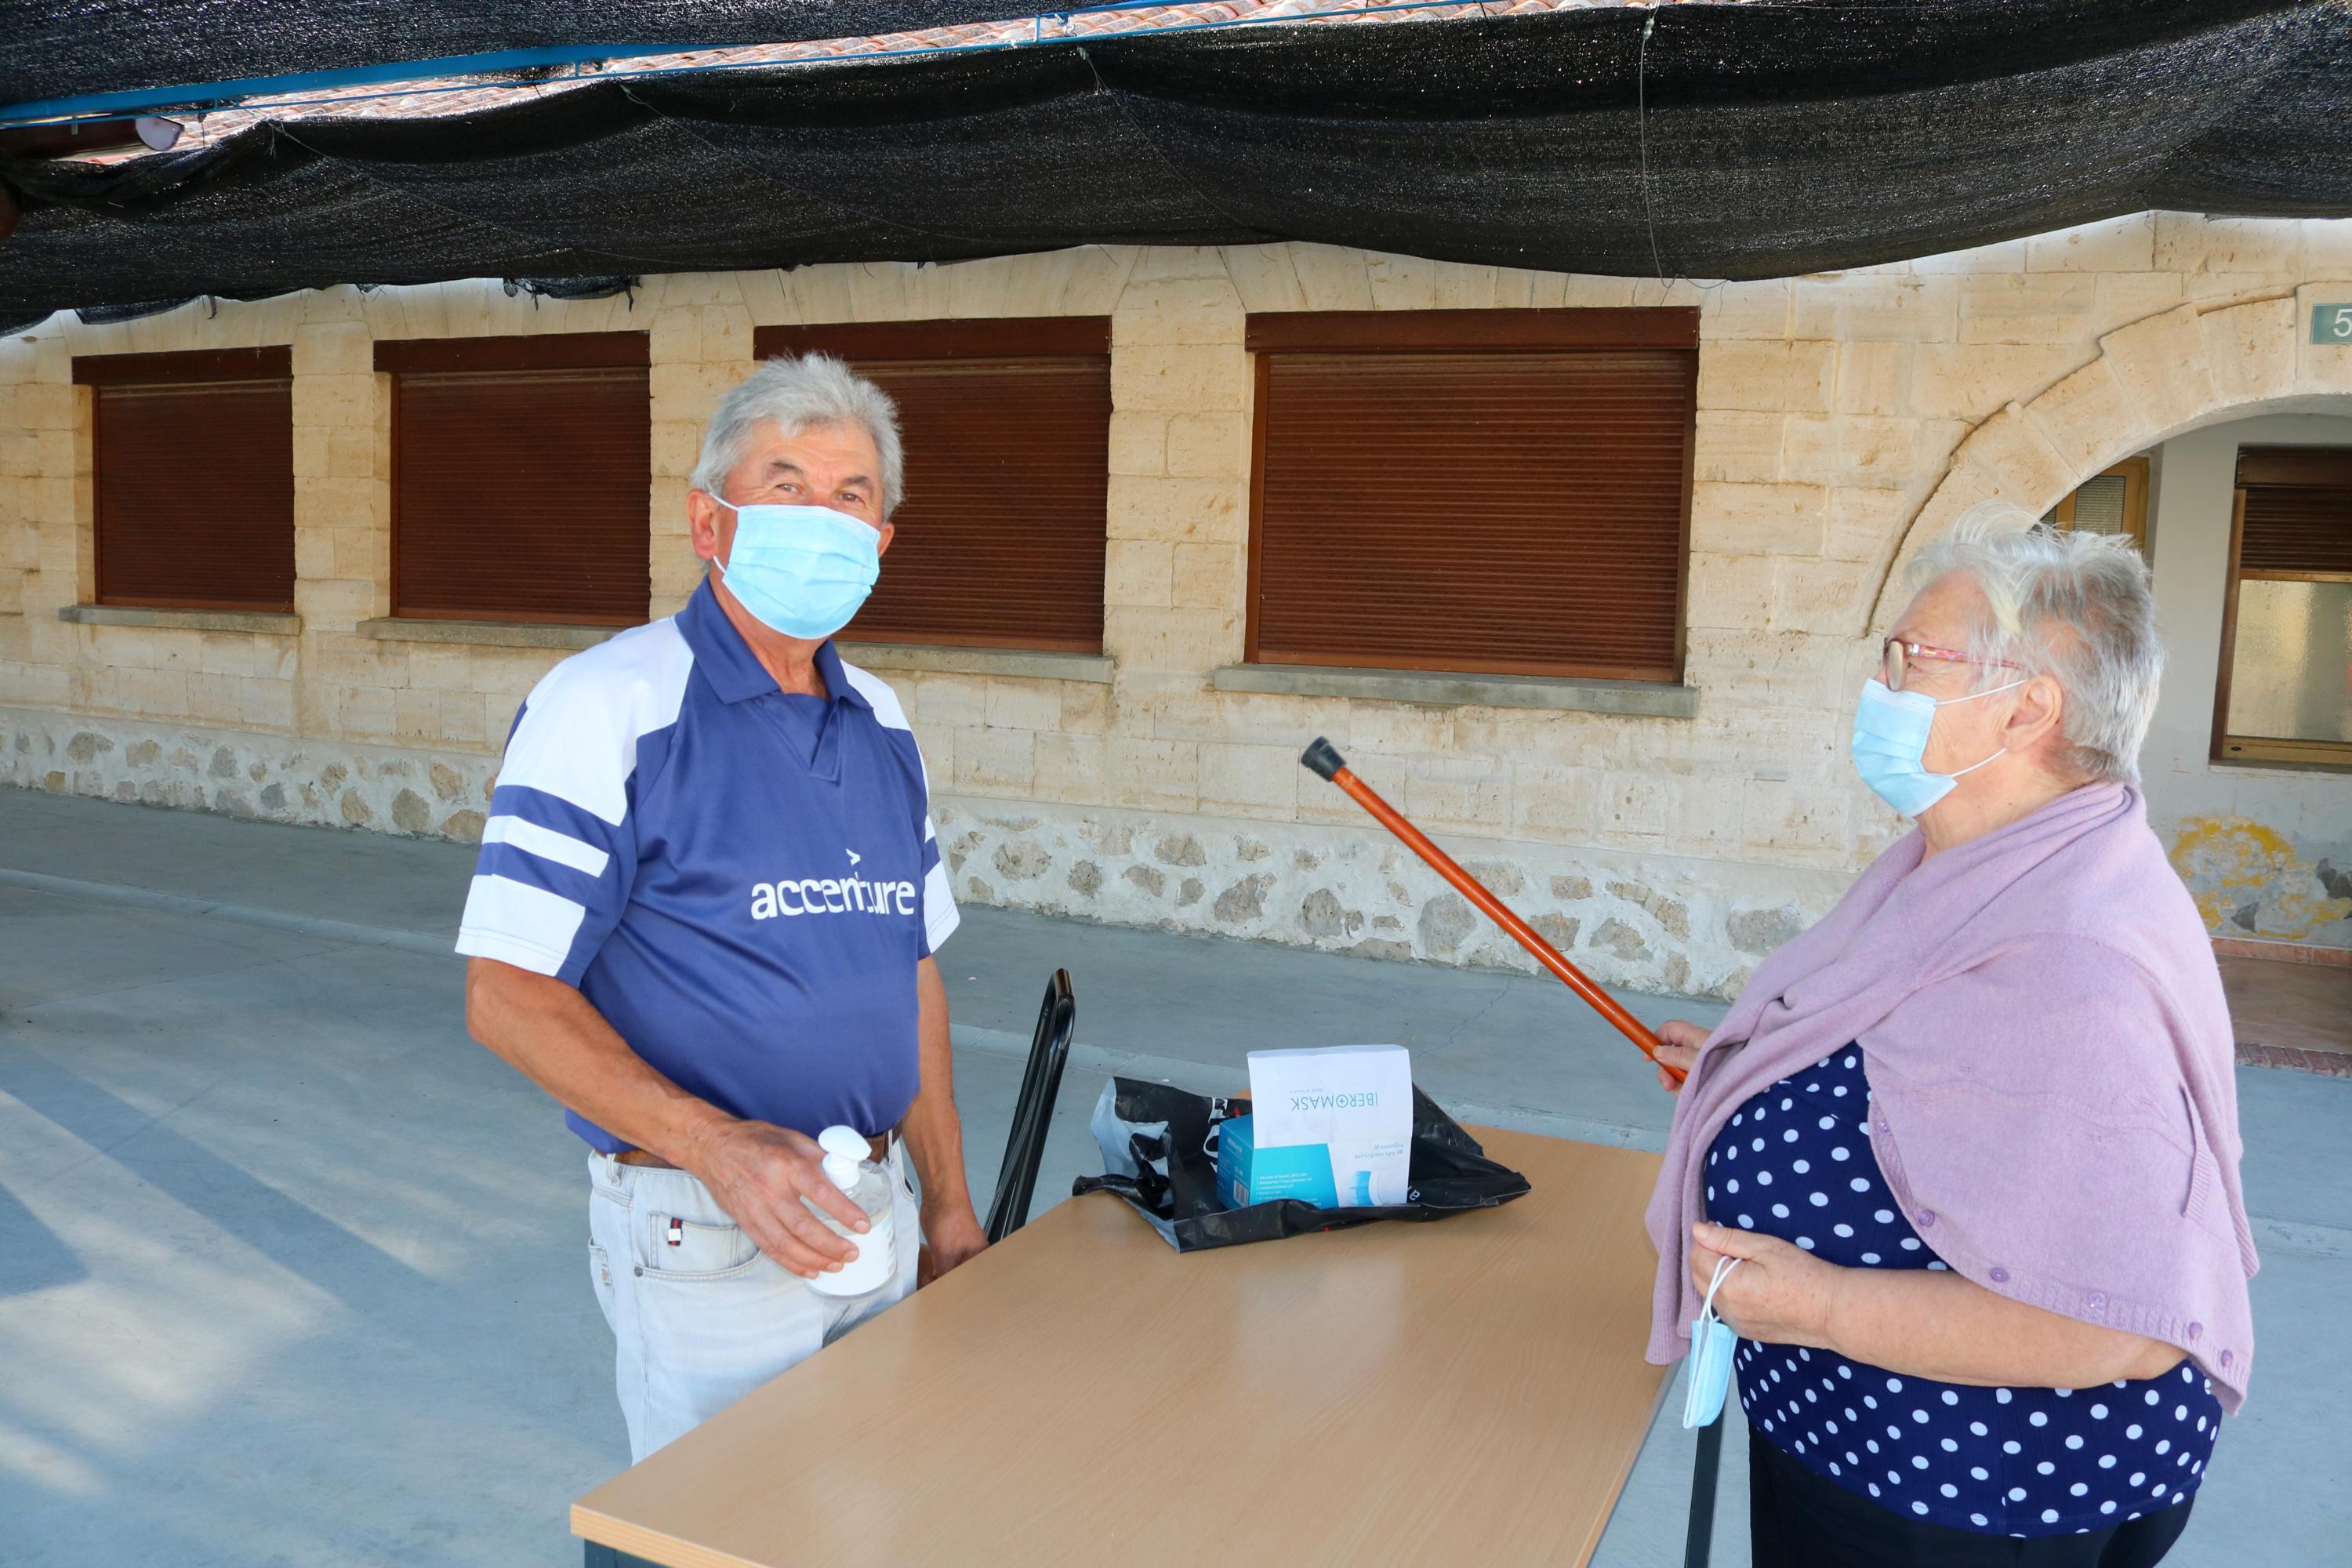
{"x":1004,"y":761}
{"x":1071,"y":767}
{"x":2190,"y":242}
{"x":1554,"y":803}
{"x":676,"y":447}
{"x":1825,"y":596}
{"x":156,"y":693}
{"x":1087,"y":708}
{"x":1331,"y":277}
{"x":2160,"y":365}
{"x":1158,"y":263}
{"x":958,"y":701}
{"x":1974,"y":381}
{"x":2027,"y":308}
{"x":335,"y":348}
{"x":1138,"y":572}
{"x":1866,"y":524}
{"x":1209,"y":576}
{"x":1397,"y":729}
{"x":1138,"y":443}
{"x":1733,"y":592}
{"x":2017,"y":459}
{"x":1634,"y":809}
{"x":1181,"y":379}
{"x":1858,"y":450}
{"x":2089,"y":422}
{"x":1176,"y":311}
{"x":1765,"y":375}
{"x":1259,"y":779}
{"x":1152,"y":773}
{"x":2113,"y":245}
{"x":1905,"y":307}
{"x":1023,"y":704}
{"x":1757,"y":310}
{"x":1758,"y":519}
{"x":215,"y":698}
{"x":350,"y":453}
{"x":1738,"y":447}
{"x":1208,"y":445}
{"x":2250,"y":350}
{"x":345,"y":399}
{"x":1262,"y":276}
{"x":2117,"y":297}
{"x":1873,"y":378}
{"x":1190,"y":641}
{"x":1175,"y":509}
{"x":1795,"y":819}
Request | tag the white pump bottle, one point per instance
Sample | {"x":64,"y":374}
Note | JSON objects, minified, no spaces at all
{"x":848,"y":1167}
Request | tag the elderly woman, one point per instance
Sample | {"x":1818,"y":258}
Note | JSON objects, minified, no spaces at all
{"x":1973,"y":1138}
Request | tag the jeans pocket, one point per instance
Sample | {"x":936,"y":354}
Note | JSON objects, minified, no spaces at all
{"x":679,"y":1248}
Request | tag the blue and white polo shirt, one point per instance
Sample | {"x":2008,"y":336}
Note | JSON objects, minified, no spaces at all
{"x":742,"y":881}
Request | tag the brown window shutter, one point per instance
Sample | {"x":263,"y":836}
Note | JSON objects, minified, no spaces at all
{"x":1006,"y":427}
{"x":2298,"y":511}
{"x":1519,"y":510}
{"x":193,"y":479}
{"x":522,"y":494}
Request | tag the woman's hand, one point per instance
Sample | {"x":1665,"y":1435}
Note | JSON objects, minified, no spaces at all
{"x":1678,"y":1045}
{"x":1781,"y":1295}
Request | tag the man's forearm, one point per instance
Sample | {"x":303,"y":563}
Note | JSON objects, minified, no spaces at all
{"x":934,"y":1134}
{"x":1934,"y":1324}
{"x":553,"y":1036}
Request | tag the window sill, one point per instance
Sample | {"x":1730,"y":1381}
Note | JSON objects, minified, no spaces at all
{"x":1647,"y":698}
{"x":277,"y":623}
{"x":939,"y":659}
{"x":488,"y":634}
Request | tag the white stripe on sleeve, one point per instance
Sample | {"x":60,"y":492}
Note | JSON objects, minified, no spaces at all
{"x":940,"y":914}
{"x":517,"y":923}
{"x":546,"y":842}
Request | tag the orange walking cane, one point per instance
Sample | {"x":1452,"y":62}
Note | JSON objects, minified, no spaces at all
{"x":1324,"y":759}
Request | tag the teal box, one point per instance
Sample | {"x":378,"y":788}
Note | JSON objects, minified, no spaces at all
{"x":1248,"y":1175}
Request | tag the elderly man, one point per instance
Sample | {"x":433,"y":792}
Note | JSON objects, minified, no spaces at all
{"x":705,"y":913}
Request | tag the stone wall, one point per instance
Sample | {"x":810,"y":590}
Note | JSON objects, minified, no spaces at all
{"x":1833,"y":409}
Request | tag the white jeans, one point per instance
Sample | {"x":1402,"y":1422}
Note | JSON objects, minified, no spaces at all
{"x":698,"y":1326}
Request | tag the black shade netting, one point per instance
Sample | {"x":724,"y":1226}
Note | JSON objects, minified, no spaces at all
{"x":1742,"y":140}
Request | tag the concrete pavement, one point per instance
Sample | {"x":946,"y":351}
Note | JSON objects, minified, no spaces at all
{"x":290,"y":1271}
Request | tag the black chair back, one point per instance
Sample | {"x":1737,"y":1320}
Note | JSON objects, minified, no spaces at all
{"x":1033,"y":1113}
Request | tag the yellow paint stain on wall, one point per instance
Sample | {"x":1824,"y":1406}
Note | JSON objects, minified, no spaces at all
{"x":2230,"y":862}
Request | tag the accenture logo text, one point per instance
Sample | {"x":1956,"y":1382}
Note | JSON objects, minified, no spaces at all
{"x":847,"y":895}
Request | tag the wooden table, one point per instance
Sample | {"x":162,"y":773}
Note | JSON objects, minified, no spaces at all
{"x":1471,"y":1391}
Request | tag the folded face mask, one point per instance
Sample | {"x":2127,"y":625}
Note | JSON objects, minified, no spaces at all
{"x":1712,"y":1341}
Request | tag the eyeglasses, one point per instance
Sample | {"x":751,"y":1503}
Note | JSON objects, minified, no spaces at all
{"x":1896,"y":656}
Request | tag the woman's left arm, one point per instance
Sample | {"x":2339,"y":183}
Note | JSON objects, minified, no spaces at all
{"x":1928,"y":1322}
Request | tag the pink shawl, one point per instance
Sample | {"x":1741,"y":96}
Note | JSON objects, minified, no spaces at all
{"x":2051,"y":1064}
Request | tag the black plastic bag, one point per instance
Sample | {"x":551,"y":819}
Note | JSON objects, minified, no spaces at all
{"x":1159,"y":1147}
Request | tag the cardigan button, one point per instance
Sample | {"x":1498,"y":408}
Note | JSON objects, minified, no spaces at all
{"x":2196,"y":1331}
{"x":2225,"y":1357}
{"x":1999,"y":1274}
{"x":1926,"y":1219}
{"x":2099,"y":1301}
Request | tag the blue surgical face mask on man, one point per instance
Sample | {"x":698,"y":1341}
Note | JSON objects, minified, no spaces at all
{"x":1890,"y":745}
{"x":801,"y":571}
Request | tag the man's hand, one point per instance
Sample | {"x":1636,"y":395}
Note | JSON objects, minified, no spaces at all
{"x":949,"y":1237}
{"x":1781,"y":1295}
{"x":758,"y":1172}
{"x":1678,"y":1045}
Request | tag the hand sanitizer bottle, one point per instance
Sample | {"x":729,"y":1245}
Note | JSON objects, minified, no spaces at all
{"x":868,"y":1186}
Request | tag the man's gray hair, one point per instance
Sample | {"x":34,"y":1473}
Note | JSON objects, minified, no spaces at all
{"x":798,"y":395}
{"x":2076,"y":607}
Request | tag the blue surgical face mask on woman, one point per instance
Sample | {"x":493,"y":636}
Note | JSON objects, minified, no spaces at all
{"x":1890,"y":745}
{"x":802,"y":571}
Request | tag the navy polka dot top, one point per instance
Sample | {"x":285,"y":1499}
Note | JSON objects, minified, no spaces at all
{"x":1795,"y":1162}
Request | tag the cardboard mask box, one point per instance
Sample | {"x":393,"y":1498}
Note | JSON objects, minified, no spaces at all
{"x":1332,"y":1127}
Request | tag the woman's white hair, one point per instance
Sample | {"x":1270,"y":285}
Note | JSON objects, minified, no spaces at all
{"x":2075,"y":607}
{"x":798,"y":395}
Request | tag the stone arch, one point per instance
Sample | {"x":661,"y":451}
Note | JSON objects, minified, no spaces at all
{"x":2153,"y":379}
